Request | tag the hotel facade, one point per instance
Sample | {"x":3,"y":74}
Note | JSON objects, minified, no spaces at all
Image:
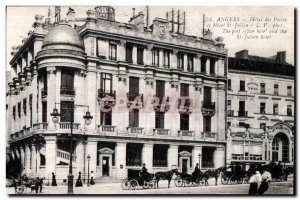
{"x":130,"y":94}
{"x":260,"y":110}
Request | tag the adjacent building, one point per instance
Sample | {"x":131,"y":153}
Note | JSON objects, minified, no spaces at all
{"x":260,"y":110}
{"x":156,"y":96}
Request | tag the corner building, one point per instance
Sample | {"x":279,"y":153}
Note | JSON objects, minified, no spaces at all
{"x":106,"y":67}
{"x":260,"y":110}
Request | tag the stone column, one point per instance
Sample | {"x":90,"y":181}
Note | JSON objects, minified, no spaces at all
{"x":27,"y":159}
{"x":148,"y":156}
{"x":173,"y":59}
{"x":221,"y":67}
{"x":161,"y":55}
{"x":173,"y":156}
{"x":33,"y":159}
{"x":80,"y":157}
{"x":207,"y":66}
{"x":134,"y":54}
{"x":195,"y":156}
{"x":50,"y":155}
{"x":120,"y":159}
{"x":22,"y":158}
{"x":91,"y":149}
{"x":148,"y":55}
{"x":34,"y":96}
{"x":121,"y":51}
{"x":51,"y":97}
{"x":185,"y":62}
{"x":219,"y":157}
{"x":197,"y":63}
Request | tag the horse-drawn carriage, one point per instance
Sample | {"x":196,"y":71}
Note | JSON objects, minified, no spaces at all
{"x":136,"y":178}
{"x":188,"y":180}
{"x":236,"y":175}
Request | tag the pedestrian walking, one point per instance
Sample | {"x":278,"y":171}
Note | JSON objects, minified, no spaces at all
{"x":78,"y":181}
{"x":266,"y":179}
{"x":92,"y":182}
{"x":53,"y":180}
{"x":37,"y":185}
{"x":254,"y":181}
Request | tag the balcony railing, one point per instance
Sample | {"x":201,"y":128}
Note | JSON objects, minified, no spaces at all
{"x":40,"y":126}
{"x":133,"y":162}
{"x":162,"y":132}
{"x":186,"y":133}
{"x":263,"y":91}
{"x":249,"y":157}
{"x":67,"y":125}
{"x":44,"y":92}
{"x":209,"y":135}
{"x":135,"y":130}
{"x":230,"y":113}
{"x":103,"y":93}
{"x":67,"y":91}
{"x":243,"y":113}
{"x":107,"y":128}
{"x":160,"y":163}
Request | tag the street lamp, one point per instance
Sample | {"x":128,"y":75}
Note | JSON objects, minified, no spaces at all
{"x":88,"y":159}
{"x":87,"y":118}
{"x":199,"y":156}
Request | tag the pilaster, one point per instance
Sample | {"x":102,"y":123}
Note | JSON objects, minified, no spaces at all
{"x":173,"y":156}
{"x":120,"y":156}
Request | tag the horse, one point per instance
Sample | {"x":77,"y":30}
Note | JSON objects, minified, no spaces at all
{"x":213,"y":174}
{"x":165,"y":176}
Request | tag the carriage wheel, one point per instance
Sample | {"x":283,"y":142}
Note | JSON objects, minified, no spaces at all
{"x":188,"y":182}
{"x":233,"y":180}
{"x":240,"y":180}
{"x":146,"y":185}
{"x":152,"y":184}
{"x":178,"y":181}
{"x":246,"y":179}
{"x":196,"y":182}
{"x":125,"y":184}
{"x":20,"y":189}
{"x":133,"y":184}
{"x":224,"y":180}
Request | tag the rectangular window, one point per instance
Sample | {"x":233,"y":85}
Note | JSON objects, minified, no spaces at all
{"x":67,"y":81}
{"x":228,"y":104}
{"x":133,"y":88}
{"x":19,"y":109}
{"x":25,"y":106}
{"x":106,"y":83}
{"x":180,"y":61}
{"x":275,"y":109}
{"x":112,"y":51}
{"x":44,"y":111}
{"x":184,"y":90}
{"x":155,"y":57}
{"x":66,"y":111}
{"x":229,"y":84}
{"x":160,"y":155}
{"x":212,"y":66}
{"x":289,"y":110}
{"x":129,"y":49}
{"x":207,"y":94}
{"x":140,"y":55}
{"x":160,"y":88}
{"x":207,"y":124}
{"x":262,"y":108}
{"x":242,"y":124}
{"x":203,"y":64}
{"x":159,"y":120}
{"x":14,"y":112}
{"x":105,"y":117}
{"x":262,"y":88}
{"x":166,"y":58}
{"x":184,"y":122}
{"x":134,"y":118}
{"x":262,"y":126}
{"x":289,"y":91}
{"x":190,"y":66}
{"x":242,"y":86}
{"x":276,"y":92}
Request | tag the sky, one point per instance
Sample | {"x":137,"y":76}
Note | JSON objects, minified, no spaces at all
{"x":20,"y":20}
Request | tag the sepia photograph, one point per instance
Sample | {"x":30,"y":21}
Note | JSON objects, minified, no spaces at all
{"x":150,"y":100}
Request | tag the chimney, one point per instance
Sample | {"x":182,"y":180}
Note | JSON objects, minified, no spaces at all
{"x":243,"y":54}
{"x":139,"y":21}
{"x":281,"y":56}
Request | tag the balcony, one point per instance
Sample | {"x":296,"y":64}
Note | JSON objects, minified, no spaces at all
{"x":44,"y":92}
{"x":67,"y":125}
{"x":135,"y":99}
{"x":163,"y":104}
{"x":67,"y":91}
{"x":186,"y":133}
{"x":208,"y":108}
{"x":209,"y":135}
{"x":242,"y":113}
{"x":40,"y":126}
{"x":230,"y":113}
{"x":107,"y":128}
{"x":134,"y":130}
{"x":161,"y":132}
{"x":107,"y":97}
{"x":185,"y":105}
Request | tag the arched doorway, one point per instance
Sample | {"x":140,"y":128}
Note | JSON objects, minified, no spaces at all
{"x":280,"y":148}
